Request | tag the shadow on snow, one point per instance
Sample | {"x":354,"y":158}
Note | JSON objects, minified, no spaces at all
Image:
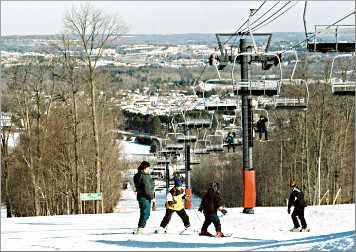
{"x":261,"y":244}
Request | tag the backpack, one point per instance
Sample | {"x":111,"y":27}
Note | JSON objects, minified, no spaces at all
{"x":300,"y":198}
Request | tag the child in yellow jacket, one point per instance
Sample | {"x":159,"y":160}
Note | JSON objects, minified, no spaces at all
{"x":174,"y":203}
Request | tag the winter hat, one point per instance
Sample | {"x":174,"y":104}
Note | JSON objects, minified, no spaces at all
{"x":177,"y":182}
{"x":143,"y":165}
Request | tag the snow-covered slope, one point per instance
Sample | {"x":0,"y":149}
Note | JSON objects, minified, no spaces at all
{"x":332,"y":228}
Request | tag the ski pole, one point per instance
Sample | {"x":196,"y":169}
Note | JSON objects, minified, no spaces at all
{"x":195,"y":211}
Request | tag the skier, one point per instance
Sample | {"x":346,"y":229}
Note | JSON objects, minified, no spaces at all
{"x":262,"y":128}
{"x":144,"y":185}
{"x":296,"y":199}
{"x":173,"y":204}
{"x":211,"y":202}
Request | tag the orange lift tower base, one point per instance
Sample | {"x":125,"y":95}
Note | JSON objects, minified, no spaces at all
{"x":249,"y":197}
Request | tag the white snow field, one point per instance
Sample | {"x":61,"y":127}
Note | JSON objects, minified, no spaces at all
{"x":332,"y":229}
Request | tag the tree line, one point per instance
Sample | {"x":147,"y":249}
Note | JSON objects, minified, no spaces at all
{"x":64,"y":113}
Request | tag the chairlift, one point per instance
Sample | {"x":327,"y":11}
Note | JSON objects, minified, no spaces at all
{"x":172,"y":141}
{"x":225,"y":105}
{"x":229,"y":49}
{"x":292,"y":103}
{"x":336,"y":45}
{"x":194,"y":159}
{"x":196,"y":82}
{"x":200,"y":147}
{"x":344,"y":85}
{"x":168,"y":152}
{"x":294,"y":52}
{"x":215,"y":142}
{"x":158,"y":166}
{"x":190,"y":122}
{"x":231,"y":125}
{"x":258,"y":87}
{"x":161,"y":162}
{"x":263,"y":110}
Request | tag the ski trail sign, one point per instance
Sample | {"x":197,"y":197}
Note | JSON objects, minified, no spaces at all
{"x":91,"y":197}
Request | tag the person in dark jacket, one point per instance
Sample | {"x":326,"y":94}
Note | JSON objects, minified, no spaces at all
{"x":230,"y":142}
{"x":214,"y":58}
{"x":262,"y":128}
{"x":210,"y":204}
{"x":144,"y":185}
{"x":174,"y":203}
{"x":296,"y":199}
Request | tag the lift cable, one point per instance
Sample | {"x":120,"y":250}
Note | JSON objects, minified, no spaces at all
{"x":244,"y":23}
{"x":256,"y":18}
{"x":265,"y":13}
{"x":197,"y":80}
{"x":255,"y":28}
{"x":266,"y":19}
{"x":314,"y":35}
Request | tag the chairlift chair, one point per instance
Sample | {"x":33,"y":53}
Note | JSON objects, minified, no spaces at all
{"x":194,"y":159}
{"x":159,"y":167}
{"x":190,"y":122}
{"x":338,"y":85}
{"x":200,"y":147}
{"x":332,"y":46}
{"x":265,"y":111}
{"x":264,"y":103}
{"x":216,"y":140}
{"x":324,"y":46}
{"x":258,"y":87}
{"x":161,"y":161}
{"x":172,"y":141}
{"x":292,"y":103}
{"x":167,"y":152}
{"x":231,"y":125}
{"x":221,"y":105}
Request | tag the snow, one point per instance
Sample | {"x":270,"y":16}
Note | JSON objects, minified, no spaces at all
{"x":332,"y":228}
{"x":134,"y":151}
{"x":3,"y":212}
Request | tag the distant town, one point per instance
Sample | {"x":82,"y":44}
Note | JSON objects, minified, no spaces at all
{"x":182,"y":51}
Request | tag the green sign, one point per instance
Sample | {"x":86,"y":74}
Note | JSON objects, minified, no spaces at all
{"x":91,"y":196}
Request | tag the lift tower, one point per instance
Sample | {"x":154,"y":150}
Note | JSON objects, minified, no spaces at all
{"x":245,"y":54}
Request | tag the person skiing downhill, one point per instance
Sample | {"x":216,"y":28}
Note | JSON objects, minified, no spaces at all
{"x":210,"y":204}
{"x":144,"y":185}
{"x":296,"y":199}
{"x":174,"y":203}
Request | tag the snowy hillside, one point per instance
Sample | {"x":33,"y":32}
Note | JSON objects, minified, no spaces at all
{"x":332,"y":228}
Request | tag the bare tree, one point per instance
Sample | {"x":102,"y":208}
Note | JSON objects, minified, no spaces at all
{"x":95,"y":30}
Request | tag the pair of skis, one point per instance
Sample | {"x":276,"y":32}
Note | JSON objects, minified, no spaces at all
{"x":183,"y":232}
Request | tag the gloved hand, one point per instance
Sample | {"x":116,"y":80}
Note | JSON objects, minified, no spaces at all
{"x":288,"y":210}
{"x":223,"y":211}
{"x":200,"y":209}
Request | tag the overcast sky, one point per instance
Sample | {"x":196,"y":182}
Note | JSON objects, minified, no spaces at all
{"x":168,"y":17}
